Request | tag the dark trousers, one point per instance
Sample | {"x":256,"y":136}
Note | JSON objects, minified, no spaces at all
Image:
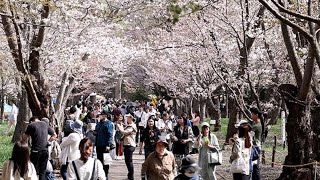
{"x":119,"y":149}
{"x":40,"y":159}
{"x":256,"y":171}
{"x":63,"y":171}
{"x":100,"y":151}
{"x":196,"y":131}
{"x":128,"y":152}
{"x":139,"y":133}
{"x":238,"y":176}
{"x":147,"y":151}
{"x":256,"y":168}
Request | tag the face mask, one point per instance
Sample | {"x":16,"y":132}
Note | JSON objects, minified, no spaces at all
{"x":188,"y":174}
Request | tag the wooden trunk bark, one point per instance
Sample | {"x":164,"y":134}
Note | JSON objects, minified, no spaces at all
{"x":23,"y":116}
{"x":233,"y":117}
{"x":214,"y":111}
{"x":202,"y":110}
{"x":299,"y":137}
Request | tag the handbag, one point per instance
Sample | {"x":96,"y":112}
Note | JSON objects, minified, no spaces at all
{"x":107,"y":159}
{"x":238,"y":166}
{"x":215,"y":157}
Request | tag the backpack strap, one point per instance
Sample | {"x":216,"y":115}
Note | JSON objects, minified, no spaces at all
{"x":75,"y":170}
{"x":94,"y":165}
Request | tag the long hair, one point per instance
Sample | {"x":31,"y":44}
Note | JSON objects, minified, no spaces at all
{"x":197,"y":113}
{"x":154,"y":123}
{"x":84,"y":145}
{"x":244,"y":130}
{"x":209,"y":134}
{"x":20,"y":157}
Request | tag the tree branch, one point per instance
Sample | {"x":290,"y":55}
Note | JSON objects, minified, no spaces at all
{"x":286,"y":21}
{"x":292,"y":13}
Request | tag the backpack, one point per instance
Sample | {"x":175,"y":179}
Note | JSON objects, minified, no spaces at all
{"x":67,"y":127}
{"x":56,"y":150}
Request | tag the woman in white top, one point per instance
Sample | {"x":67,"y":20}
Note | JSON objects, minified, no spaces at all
{"x":206,"y":142}
{"x":70,"y":148}
{"x":85,"y":168}
{"x":241,"y":152}
{"x":19,"y":165}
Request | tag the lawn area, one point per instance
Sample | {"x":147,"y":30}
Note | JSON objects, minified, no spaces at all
{"x":267,"y":146}
{"x":5,"y":143}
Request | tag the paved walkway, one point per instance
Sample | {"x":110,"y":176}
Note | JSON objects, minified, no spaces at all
{"x":118,"y":169}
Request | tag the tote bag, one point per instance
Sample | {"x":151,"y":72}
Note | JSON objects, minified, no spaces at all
{"x":107,"y":159}
{"x":215,"y":157}
{"x":238,"y":165}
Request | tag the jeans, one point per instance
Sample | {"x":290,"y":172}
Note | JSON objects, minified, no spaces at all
{"x":238,"y":176}
{"x":128,"y":152}
{"x":139,"y":133}
{"x":63,"y":170}
{"x":100,"y":151}
{"x":40,"y":159}
{"x":256,"y":168}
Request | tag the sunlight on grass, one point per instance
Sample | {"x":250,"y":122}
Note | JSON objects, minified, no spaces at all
{"x":5,"y":143}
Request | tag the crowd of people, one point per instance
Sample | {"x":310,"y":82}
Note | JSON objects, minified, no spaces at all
{"x":94,"y":134}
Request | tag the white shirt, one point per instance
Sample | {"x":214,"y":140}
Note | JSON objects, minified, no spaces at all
{"x":8,"y":174}
{"x":143,"y":116}
{"x":85,"y":170}
{"x":161,"y":124}
{"x":70,"y":148}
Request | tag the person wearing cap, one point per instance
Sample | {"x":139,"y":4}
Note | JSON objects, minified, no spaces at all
{"x":206,"y":142}
{"x":70,"y":147}
{"x":129,"y":143}
{"x":241,"y":150}
{"x":160,"y":164}
{"x":256,"y":116}
{"x":104,"y":141}
{"x":189,"y":169}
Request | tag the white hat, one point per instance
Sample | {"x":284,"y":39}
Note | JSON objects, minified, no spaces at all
{"x":240,"y":122}
{"x":205,"y":124}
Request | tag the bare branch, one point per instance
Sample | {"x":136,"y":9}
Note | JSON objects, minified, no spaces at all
{"x":285,"y":20}
{"x":292,"y":13}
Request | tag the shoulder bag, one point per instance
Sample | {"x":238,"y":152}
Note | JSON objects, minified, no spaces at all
{"x":238,"y":164}
{"x":214,"y":157}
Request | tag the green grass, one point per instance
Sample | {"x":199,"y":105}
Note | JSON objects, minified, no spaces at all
{"x":5,"y":143}
{"x":267,"y":146}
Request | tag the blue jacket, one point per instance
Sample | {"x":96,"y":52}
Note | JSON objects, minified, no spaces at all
{"x":104,"y":133}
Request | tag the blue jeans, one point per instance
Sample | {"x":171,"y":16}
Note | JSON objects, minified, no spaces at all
{"x":63,"y":171}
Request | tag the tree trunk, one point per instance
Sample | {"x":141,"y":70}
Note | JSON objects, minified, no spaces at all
{"x":202,"y":110}
{"x":2,"y":99}
{"x":117,"y":89}
{"x":214,"y":112}
{"x":23,"y":116}
{"x":60,"y":112}
{"x":233,"y":118}
{"x":299,"y":137}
